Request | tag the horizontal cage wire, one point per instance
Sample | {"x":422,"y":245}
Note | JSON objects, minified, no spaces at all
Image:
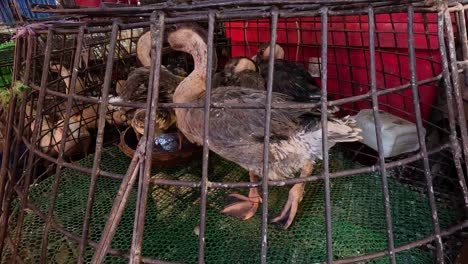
{"x":97,"y":167}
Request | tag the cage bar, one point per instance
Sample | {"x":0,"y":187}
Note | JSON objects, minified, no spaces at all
{"x":378,"y":133}
{"x":99,"y":139}
{"x":34,"y":137}
{"x":422,"y":143}
{"x":420,"y":162}
{"x":157,"y":32}
{"x":266,"y":140}
{"x":324,"y":120}
{"x":206,"y":131}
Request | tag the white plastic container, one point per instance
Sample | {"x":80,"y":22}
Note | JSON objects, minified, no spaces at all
{"x":398,"y":135}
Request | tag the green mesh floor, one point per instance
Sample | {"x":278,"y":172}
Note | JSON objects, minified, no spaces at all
{"x":173,"y":213}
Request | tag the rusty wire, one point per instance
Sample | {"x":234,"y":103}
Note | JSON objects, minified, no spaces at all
{"x":211,"y":11}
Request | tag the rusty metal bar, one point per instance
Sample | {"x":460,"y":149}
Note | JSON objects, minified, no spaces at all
{"x":63,"y":140}
{"x":324,"y":122}
{"x":157,"y":33}
{"x":421,"y":138}
{"x":4,"y":169}
{"x":23,"y":198}
{"x":73,"y":166}
{"x":7,"y":196}
{"x":11,"y":245}
{"x":456,"y":84}
{"x":9,"y":124}
{"x":120,"y":202}
{"x":206,"y":132}
{"x":266,"y":140}
{"x":455,"y":146}
{"x":99,"y":139}
{"x":199,"y":5}
{"x":378,"y":133}
{"x":246,"y":105}
{"x":463,"y":34}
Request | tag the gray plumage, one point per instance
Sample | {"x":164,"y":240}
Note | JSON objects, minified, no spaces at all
{"x":234,"y":74}
{"x":237,"y":134}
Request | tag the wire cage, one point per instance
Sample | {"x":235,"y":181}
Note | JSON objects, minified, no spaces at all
{"x":78,"y":185}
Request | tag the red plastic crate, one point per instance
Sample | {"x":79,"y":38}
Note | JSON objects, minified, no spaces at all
{"x":97,"y":3}
{"x":348,"y":55}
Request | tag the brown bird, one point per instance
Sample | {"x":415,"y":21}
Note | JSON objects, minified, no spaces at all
{"x":237,"y":134}
{"x":50,"y":135}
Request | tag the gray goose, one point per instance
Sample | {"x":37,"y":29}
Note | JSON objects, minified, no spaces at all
{"x":237,"y":134}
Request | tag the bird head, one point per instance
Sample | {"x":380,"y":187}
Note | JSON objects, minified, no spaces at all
{"x":264,"y":52}
{"x":186,"y":36}
{"x":239,"y":64}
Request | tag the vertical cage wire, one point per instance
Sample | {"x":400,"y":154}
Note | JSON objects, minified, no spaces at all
{"x":7,"y":196}
{"x":99,"y":138}
{"x":378,"y":134}
{"x":421,"y":139}
{"x":324,"y":123}
{"x":455,"y":147}
{"x":266,"y":140}
{"x":456,"y":82}
{"x":62,"y":145}
{"x":157,"y":32}
{"x":34,"y":137}
{"x":206,"y":130}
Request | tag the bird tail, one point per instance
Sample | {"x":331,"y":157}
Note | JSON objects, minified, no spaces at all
{"x":343,"y":130}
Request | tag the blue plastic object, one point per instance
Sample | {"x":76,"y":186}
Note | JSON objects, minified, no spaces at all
{"x":6,"y":11}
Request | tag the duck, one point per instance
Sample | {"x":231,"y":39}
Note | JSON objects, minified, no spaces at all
{"x":288,"y":77}
{"x":65,"y":74}
{"x":239,"y":71}
{"x":78,"y":138}
{"x":135,"y":89}
{"x":238,"y":134}
{"x":162,"y":124}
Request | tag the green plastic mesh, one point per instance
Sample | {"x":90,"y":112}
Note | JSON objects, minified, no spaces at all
{"x":173,"y":212}
{"x":6,"y":63}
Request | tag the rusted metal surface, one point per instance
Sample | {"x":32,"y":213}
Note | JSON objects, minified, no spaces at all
{"x":205,"y":155}
{"x":34,"y":137}
{"x":378,"y":132}
{"x":66,"y":127}
{"x":119,"y":204}
{"x":324,"y":121}
{"x":266,"y":141}
{"x":99,"y":139}
{"x":421,"y":138}
{"x":157,"y":32}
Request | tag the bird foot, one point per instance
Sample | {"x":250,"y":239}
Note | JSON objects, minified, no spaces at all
{"x":241,"y":206}
{"x":290,"y":208}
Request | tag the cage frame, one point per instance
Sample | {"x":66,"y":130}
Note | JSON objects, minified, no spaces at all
{"x":141,"y":163}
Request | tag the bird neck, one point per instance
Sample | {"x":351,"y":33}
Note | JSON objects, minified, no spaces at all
{"x":194,"y":84}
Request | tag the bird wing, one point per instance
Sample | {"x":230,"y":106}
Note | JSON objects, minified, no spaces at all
{"x":292,"y":79}
{"x":136,"y":86}
{"x":243,"y":127}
